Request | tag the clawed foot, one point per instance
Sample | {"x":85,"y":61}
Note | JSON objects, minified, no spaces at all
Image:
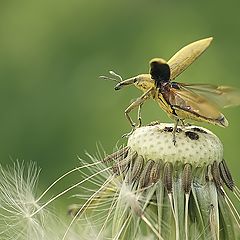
{"x":127,"y":135}
{"x":153,"y":123}
{"x":130,"y":133}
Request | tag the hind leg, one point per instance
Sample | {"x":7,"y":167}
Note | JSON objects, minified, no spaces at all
{"x":174,"y":131}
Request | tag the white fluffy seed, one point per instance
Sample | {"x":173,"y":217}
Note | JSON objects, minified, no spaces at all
{"x":194,"y":144}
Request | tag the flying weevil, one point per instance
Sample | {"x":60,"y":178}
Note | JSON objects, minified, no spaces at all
{"x":199,"y":102}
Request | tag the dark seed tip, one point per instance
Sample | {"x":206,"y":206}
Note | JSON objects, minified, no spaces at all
{"x":168,"y":129}
{"x":192,"y":135}
{"x":196,"y":129}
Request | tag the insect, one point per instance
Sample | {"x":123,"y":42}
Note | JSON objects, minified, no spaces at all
{"x":199,"y":102}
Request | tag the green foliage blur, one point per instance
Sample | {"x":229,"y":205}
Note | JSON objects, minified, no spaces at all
{"x":53,"y":105}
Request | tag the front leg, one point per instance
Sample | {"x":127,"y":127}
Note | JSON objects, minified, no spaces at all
{"x":139,"y":115}
{"x":138,"y":103}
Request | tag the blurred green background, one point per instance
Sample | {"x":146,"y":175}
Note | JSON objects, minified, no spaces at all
{"x":54,"y":107}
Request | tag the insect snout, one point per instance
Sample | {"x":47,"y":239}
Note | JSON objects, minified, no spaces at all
{"x":118,"y":86}
{"x":127,"y":82}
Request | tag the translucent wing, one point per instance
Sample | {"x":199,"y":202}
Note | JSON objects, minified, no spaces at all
{"x":222,"y":96}
{"x":186,"y":56}
{"x":192,"y":102}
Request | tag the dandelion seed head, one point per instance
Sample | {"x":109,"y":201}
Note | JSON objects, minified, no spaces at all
{"x":153,"y":189}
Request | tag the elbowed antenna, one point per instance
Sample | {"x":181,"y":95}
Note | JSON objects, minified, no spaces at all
{"x":125,"y":83}
{"x":118,"y":79}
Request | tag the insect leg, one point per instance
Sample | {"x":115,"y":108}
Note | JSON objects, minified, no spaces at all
{"x":174,"y":131}
{"x":139,"y":115}
{"x":138,"y":103}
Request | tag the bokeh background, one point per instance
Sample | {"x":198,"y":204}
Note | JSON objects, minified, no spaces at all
{"x":53,"y":105}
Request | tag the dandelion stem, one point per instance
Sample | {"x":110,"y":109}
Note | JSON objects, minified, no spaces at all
{"x":236,"y":193}
{"x":122,"y":228}
{"x":111,"y":209}
{"x":174,"y":215}
{"x":186,"y":215}
{"x":233,"y":209}
{"x":151,"y":227}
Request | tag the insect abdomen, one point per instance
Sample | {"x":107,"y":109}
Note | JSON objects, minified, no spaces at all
{"x":223,"y":122}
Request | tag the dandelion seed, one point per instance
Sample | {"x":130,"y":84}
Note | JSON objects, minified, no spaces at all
{"x":17,"y":202}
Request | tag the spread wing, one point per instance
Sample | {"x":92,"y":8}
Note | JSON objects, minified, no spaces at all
{"x":186,"y":56}
{"x":189,"y":100}
{"x":221,"y":96}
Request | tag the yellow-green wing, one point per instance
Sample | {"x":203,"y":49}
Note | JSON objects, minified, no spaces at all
{"x":186,"y":56}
